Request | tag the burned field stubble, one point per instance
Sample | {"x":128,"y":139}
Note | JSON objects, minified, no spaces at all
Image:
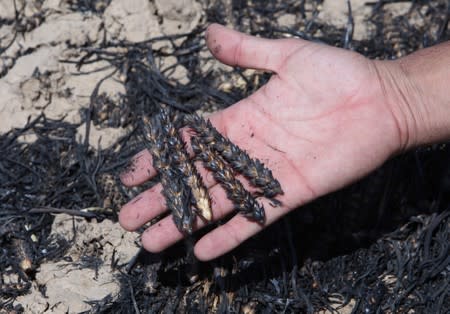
{"x":380,"y":245}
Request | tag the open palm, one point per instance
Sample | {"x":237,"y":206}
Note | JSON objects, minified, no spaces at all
{"x":321,"y":122}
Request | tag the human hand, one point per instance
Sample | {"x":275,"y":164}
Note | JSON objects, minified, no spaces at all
{"x":320,"y":123}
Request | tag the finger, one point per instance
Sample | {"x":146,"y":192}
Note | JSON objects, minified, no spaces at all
{"x":230,"y":235}
{"x":140,"y":169}
{"x":151,"y":203}
{"x":142,"y":208}
{"x":164,"y":233}
{"x":224,"y":238}
{"x":237,"y":49}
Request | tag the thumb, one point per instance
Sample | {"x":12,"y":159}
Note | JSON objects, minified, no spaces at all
{"x":237,"y":49}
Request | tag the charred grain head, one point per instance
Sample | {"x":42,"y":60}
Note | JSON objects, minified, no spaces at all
{"x":174,"y":190}
{"x":242,"y":200}
{"x":177,"y":202}
{"x":183,"y":164}
{"x":253,"y":169}
{"x":203,"y":128}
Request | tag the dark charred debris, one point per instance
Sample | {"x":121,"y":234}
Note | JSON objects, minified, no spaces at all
{"x":380,"y":245}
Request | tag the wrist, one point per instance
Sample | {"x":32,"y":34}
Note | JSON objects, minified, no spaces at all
{"x":417,"y":92}
{"x":397,"y":95}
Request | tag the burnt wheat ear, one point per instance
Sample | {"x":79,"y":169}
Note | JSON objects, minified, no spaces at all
{"x":253,"y":169}
{"x":173,"y":189}
{"x":242,"y":200}
{"x":182,"y":163}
